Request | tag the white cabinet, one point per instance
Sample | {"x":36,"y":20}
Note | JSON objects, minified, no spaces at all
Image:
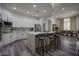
{"x":13,"y":38}
{"x":6,"y":38}
{"x":24,"y":35}
{"x":19,"y":35}
{"x":1,"y":43}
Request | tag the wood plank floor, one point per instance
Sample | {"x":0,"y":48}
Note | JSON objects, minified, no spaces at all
{"x":19,"y":49}
{"x":16,"y":49}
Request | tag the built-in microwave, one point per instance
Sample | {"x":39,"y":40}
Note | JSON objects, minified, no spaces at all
{"x":6,"y":27}
{"x":6,"y":23}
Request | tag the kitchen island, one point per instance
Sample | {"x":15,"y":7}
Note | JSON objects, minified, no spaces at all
{"x":32,"y":39}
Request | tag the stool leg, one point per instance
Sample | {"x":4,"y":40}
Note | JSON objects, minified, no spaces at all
{"x":55,"y":43}
{"x":49,"y":44}
{"x":41,"y":44}
{"x":38,"y":45}
{"x":43,"y":47}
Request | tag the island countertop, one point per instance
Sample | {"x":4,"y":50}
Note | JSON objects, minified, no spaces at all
{"x":37,"y":33}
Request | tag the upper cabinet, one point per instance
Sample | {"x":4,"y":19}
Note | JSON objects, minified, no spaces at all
{"x":22,"y":21}
{"x":5,"y":15}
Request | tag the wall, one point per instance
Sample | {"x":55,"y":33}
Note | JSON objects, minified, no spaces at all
{"x":61,"y":24}
{"x":73,"y":23}
{"x":77,"y":23}
{"x":54,"y":21}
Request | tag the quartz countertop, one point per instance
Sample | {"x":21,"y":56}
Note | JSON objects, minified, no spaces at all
{"x":36,"y":33}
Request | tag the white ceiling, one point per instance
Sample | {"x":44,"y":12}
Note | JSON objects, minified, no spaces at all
{"x":55,"y":11}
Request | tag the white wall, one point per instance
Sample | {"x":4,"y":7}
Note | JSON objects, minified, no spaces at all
{"x":77,"y":23}
{"x":54,"y":21}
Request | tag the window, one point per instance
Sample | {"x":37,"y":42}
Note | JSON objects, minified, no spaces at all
{"x":67,"y":24}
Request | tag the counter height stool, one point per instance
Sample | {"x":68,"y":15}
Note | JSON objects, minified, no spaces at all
{"x":57,"y":41}
{"x":42,"y":43}
{"x":51,"y":39}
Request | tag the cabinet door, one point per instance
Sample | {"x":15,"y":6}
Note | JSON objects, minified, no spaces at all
{"x":24,"y":35}
{"x":19,"y":35}
{"x":13,"y":37}
{"x":1,"y":42}
{"x":9,"y":38}
{"x":6,"y":38}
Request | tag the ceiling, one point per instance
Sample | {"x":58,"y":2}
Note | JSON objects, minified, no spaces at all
{"x":57,"y":10}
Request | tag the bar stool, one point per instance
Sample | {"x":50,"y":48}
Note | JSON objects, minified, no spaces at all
{"x":51,"y":39}
{"x":57,"y":41}
{"x":42,"y":43}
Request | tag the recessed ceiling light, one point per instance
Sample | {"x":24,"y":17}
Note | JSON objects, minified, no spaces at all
{"x":14,"y":8}
{"x":62,"y":8}
{"x":34,"y":5}
{"x":44,"y":11}
{"x":28,"y":12}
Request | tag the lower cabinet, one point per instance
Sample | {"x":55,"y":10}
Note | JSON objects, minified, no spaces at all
{"x":13,"y":36}
{"x":1,"y":44}
{"x":8,"y":38}
{"x":19,"y":35}
{"x":24,"y":34}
